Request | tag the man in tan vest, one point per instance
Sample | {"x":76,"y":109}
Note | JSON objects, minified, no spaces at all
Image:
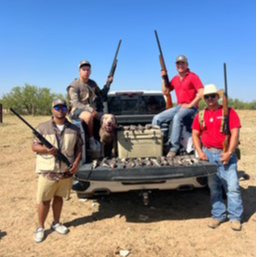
{"x":82,"y":94}
{"x":55,"y":178}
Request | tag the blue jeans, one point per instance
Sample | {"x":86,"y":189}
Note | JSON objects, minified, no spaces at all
{"x":226,"y":176}
{"x":178,"y":117}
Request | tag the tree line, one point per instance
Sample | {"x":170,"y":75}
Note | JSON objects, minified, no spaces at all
{"x":30,"y":100}
{"x":235,"y":104}
{"x":33,"y":100}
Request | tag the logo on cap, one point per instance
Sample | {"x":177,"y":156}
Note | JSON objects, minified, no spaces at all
{"x":58,"y":102}
{"x":84,"y":62}
{"x":181,"y":58}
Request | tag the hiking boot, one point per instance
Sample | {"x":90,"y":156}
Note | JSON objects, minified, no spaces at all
{"x":214,"y":223}
{"x":171,"y":154}
{"x":60,"y":228}
{"x":236,"y":225}
{"x":39,"y":235}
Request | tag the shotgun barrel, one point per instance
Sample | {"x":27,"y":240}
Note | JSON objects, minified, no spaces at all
{"x":165,"y":78}
{"x":60,"y":156}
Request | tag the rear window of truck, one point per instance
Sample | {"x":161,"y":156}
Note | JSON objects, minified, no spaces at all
{"x":126,"y":104}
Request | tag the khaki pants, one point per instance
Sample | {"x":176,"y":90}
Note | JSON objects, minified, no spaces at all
{"x":47,"y":189}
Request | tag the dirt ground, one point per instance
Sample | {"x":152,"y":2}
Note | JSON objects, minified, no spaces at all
{"x":174,"y":224}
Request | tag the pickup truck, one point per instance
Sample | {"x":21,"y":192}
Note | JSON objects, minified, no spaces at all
{"x":138,"y":108}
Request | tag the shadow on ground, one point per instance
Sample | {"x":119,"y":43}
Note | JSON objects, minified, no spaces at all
{"x":2,"y":234}
{"x":163,"y":205}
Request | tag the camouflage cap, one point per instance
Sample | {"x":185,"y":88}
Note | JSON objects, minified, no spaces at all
{"x":59,"y":102}
{"x":181,"y":58}
{"x":84,"y":62}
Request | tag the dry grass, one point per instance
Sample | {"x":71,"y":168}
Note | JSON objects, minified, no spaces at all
{"x":176,"y":224}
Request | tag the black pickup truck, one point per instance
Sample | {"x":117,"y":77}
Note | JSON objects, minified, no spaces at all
{"x":139,"y":107}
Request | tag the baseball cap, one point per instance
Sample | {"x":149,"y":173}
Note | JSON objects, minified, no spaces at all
{"x":84,"y":62}
{"x":59,"y":102}
{"x":181,"y":58}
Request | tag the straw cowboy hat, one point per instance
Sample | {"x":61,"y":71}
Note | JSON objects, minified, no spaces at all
{"x":211,"y":89}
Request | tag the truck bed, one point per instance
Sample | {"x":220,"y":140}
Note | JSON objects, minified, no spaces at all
{"x":144,"y":173}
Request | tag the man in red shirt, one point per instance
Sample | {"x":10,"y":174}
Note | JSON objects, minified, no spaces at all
{"x":208,"y":140}
{"x":189,"y":90}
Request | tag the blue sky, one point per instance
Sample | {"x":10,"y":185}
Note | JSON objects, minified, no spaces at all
{"x":42,"y":42}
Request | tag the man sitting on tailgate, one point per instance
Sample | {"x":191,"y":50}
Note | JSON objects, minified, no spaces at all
{"x":82,"y":95}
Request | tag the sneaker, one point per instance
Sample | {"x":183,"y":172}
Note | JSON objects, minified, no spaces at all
{"x":39,"y":235}
{"x":60,"y":228}
{"x":214,"y":223}
{"x":236,"y":225}
{"x":171,"y":154}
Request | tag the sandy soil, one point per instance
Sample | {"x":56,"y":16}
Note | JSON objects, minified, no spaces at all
{"x":174,"y":224}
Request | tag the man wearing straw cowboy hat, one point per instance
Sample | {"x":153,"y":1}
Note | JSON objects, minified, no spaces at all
{"x":208,"y":141}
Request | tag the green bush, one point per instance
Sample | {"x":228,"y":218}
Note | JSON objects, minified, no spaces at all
{"x":235,"y":104}
{"x":30,"y":100}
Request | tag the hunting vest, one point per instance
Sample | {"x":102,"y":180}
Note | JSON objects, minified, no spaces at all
{"x":47,"y":162}
{"x":202,"y":122}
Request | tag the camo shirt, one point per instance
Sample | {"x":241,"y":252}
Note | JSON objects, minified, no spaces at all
{"x":82,"y":95}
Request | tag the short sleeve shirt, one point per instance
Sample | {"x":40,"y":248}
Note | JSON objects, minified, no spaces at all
{"x":210,"y":131}
{"x":186,"y":89}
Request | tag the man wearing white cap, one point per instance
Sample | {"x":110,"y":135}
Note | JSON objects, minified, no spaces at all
{"x":208,"y":139}
{"x":189,"y":89}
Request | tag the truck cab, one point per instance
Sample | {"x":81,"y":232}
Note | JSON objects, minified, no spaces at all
{"x":139,"y":108}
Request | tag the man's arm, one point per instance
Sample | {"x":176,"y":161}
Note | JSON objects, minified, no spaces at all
{"x":78,"y":153}
{"x":197,"y":145}
{"x":196,"y":100}
{"x":75,"y":164}
{"x":233,"y":142}
{"x":40,"y":148}
{"x":165,"y":90}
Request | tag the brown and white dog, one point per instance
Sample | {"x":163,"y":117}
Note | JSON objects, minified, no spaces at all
{"x":108,"y":135}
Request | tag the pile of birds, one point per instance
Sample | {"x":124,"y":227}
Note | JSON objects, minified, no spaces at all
{"x":140,"y":128}
{"x":184,"y":160}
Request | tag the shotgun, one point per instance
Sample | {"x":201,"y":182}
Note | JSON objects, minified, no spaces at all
{"x":106,"y":87}
{"x":225,"y":127}
{"x":166,"y":78}
{"x":60,"y":156}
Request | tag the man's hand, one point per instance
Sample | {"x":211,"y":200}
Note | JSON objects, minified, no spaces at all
{"x":163,"y":73}
{"x":52,"y":151}
{"x":94,"y":113}
{"x":186,"y":106}
{"x":225,"y":157}
{"x":203,"y":156}
{"x":74,"y":168}
{"x":110,"y":79}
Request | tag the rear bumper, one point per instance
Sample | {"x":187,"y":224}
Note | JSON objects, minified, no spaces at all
{"x":146,"y":174}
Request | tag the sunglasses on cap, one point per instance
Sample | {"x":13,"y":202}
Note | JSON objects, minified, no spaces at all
{"x":60,"y":108}
{"x":210,"y":96}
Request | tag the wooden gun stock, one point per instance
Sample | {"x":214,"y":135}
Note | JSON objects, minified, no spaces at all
{"x":166,"y":78}
{"x":168,"y":101}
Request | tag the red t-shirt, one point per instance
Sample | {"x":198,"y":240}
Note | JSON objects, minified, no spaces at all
{"x":186,"y":89}
{"x":210,"y":133}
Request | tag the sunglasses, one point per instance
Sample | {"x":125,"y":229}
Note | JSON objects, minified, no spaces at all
{"x":210,"y":96}
{"x":180,"y":63}
{"x":60,"y":108}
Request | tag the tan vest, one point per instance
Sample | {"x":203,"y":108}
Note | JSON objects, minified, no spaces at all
{"x":47,"y":162}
